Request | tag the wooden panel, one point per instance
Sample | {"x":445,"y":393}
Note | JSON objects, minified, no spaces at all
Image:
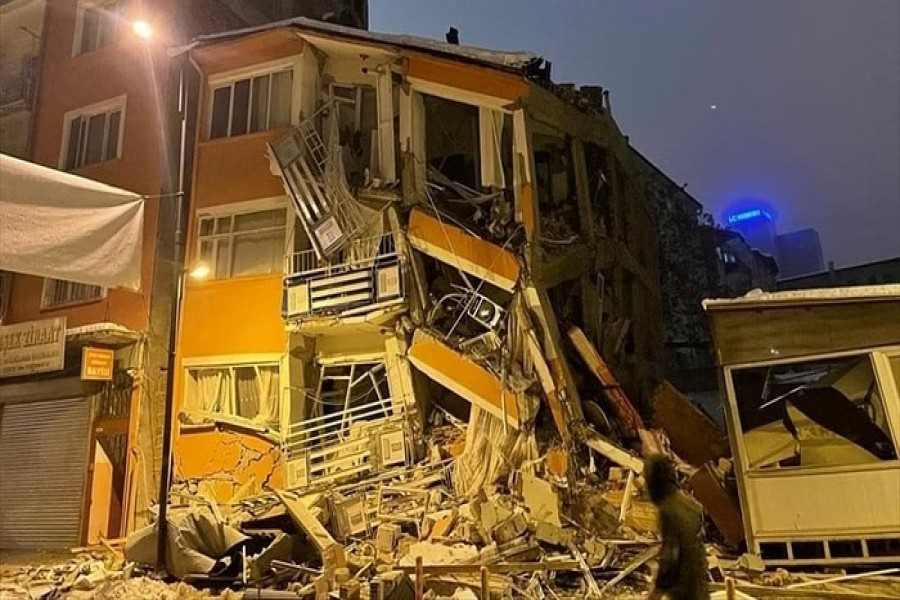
{"x":840,"y":502}
{"x":752,"y":335}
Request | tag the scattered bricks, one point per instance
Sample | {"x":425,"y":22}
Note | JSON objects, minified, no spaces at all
{"x":387,"y":536}
{"x":510,"y":529}
{"x":551,"y":534}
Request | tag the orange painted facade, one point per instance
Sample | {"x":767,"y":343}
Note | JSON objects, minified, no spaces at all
{"x":233,"y":317}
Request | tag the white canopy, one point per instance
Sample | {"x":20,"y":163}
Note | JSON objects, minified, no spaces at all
{"x":58,"y":225}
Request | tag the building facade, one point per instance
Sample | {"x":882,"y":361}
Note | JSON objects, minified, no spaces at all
{"x":394,"y":225}
{"x":88,"y":452}
{"x":799,"y":253}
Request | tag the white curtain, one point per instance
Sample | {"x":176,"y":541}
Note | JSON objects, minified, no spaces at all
{"x":269,"y":396}
{"x":212,"y":393}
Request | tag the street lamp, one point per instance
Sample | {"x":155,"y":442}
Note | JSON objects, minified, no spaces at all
{"x":142,"y":29}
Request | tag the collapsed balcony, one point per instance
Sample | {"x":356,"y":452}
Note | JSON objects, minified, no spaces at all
{"x":365,"y":276}
{"x":354,"y":428}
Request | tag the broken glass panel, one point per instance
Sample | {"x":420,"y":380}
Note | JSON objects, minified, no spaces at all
{"x":819,"y":413}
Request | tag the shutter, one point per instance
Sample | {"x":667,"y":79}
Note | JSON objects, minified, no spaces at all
{"x":43,"y":462}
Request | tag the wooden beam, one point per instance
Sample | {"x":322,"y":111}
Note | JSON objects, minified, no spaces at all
{"x":627,"y":415}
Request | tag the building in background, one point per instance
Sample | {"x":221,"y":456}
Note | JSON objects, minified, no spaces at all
{"x":98,"y":109}
{"x":878,"y":272}
{"x":799,"y":253}
{"x":796,"y":252}
{"x":21,"y":24}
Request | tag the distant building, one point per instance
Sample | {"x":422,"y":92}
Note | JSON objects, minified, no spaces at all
{"x":796,"y":252}
{"x":799,"y":253}
{"x":874,"y":273}
{"x":757,"y":226}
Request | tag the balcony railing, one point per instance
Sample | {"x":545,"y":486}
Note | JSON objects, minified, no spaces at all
{"x":345,"y":445}
{"x":362,"y":276}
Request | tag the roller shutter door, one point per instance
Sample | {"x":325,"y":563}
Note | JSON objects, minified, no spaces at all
{"x":43,"y":462}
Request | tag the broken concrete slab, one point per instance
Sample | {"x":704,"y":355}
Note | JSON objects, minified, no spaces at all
{"x":332,"y":553}
{"x":464,"y":377}
{"x":541,"y":499}
{"x":613,"y":452}
{"x":454,"y":246}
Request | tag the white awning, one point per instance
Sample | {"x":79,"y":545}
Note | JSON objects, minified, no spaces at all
{"x":58,"y":225}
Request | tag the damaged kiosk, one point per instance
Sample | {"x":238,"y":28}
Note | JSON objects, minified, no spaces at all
{"x":810,"y":387}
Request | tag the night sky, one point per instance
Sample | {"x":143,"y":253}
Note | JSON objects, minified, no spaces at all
{"x":806,"y":95}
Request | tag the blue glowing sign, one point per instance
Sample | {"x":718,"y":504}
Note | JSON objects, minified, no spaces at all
{"x":750,"y":215}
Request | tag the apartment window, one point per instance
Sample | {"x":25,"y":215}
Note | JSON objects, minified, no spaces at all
{"x":242,"y":244}
{"x":94,"y":135}
{"x":58,"y":292}
{"x":252,"y":104}
{"x":247,"y":392}
{"x":97,"y":25}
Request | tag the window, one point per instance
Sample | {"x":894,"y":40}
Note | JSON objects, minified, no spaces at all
{"x":357,"y":125}
{"x":248,"y":392}
{"x":819,"y":413}
{"x":94,"y":135}
{"x":242,"y":244}
{"x":452,"y":139}
{"x":62,"y":293}
{"x":257,"y":103}
{"x":97,"y":26}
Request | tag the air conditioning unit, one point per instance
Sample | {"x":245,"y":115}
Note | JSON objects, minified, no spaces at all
{"x":391,"y":448}
{"x":298,"y":299}
{"x":388,"y":282}
{"x":298,"y":471}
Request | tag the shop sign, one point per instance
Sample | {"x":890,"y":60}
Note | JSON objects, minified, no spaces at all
{"x":32,"y":347}
{"x":97,"y":364}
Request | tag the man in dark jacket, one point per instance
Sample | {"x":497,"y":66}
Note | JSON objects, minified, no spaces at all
{"x":683,"y":569}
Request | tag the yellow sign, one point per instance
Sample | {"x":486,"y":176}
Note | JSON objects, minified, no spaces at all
{"x":97,"y":364}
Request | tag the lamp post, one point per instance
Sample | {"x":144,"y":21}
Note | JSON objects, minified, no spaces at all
{"x":177,"y":292}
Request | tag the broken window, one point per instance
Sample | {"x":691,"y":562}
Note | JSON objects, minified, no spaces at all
{"x":452,"y":140}
{"x":243,"y":244}
{"x":248,"y":392}
{"x":251,"y":104}
{"x":826,"y":412}
{"x":355,"y":110}
{"x":596,"y":161}
{"x":555,"y":182}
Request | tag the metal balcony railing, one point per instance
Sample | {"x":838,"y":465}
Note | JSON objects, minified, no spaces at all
{"x":367,"y":272}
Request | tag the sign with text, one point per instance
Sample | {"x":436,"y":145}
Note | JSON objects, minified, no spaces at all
{"x":97,"y":364}
{"x":32,"y":347}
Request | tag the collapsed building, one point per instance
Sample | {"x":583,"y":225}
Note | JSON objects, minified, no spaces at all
{"x":400,"y":232}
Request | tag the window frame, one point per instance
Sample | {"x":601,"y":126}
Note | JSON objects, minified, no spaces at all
{"x":230,"y":78}
{"x":82,"y":8}
{"x":106,"y":108}
{"x":736,"y":428}
{"x":49,"y":280}
{"x":233,"y":210}
{"x":232,"y":362}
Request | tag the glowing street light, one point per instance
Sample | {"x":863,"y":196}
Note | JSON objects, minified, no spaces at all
{"x":200,"y":271}
{"x":142,"y":29}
